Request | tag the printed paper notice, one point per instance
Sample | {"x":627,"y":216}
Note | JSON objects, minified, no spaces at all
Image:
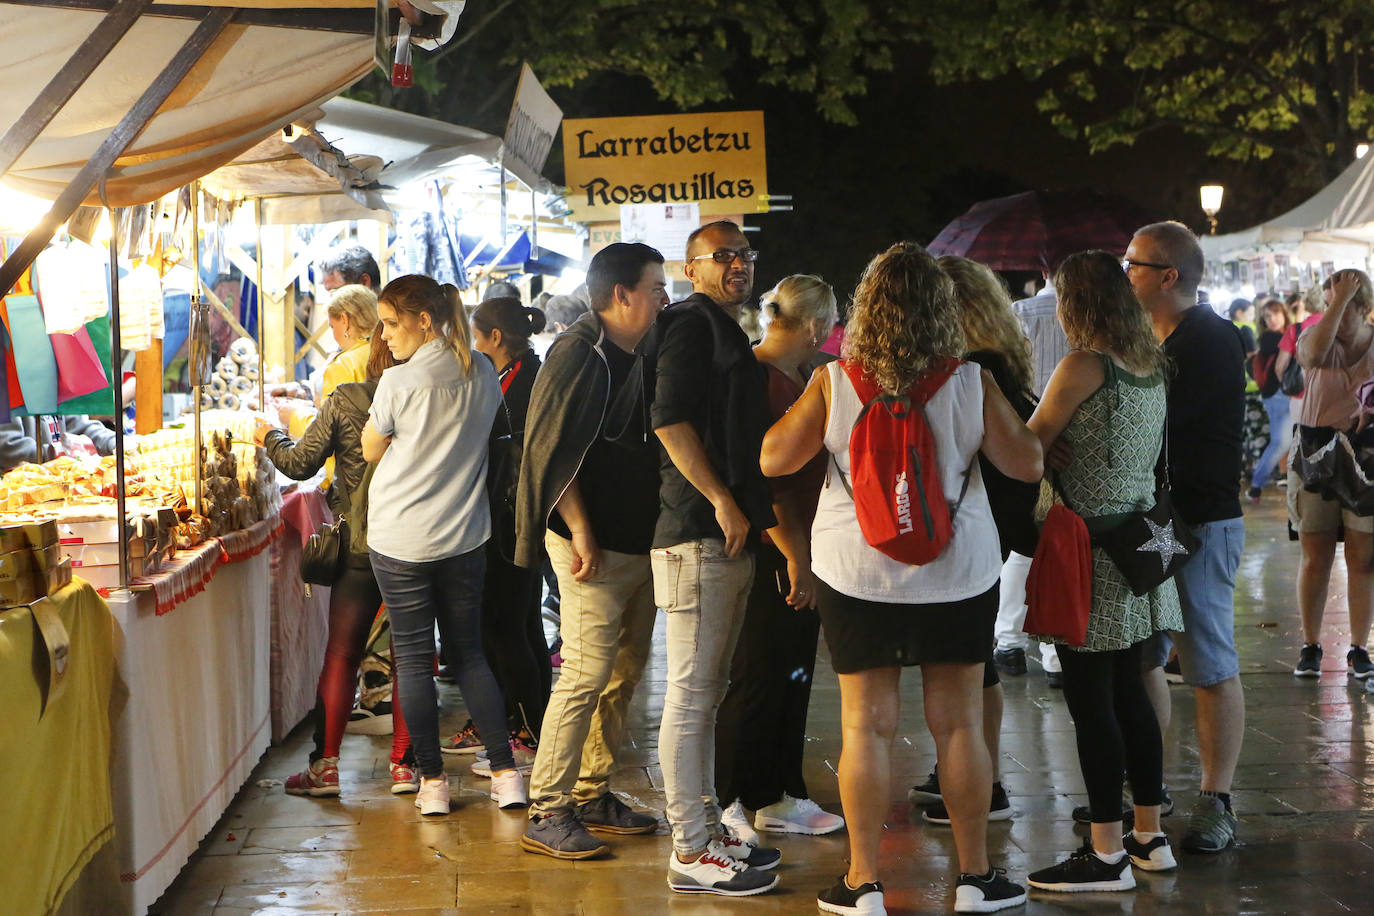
{"x":661,"y":226}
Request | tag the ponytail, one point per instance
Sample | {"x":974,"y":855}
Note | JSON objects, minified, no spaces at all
{"x":415,"y":294}
{"x":516,"y":322}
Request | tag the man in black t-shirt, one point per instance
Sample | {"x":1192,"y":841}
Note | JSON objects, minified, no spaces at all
{"x":710,"y":413}
{"x":589,"y":475}
{"x":1206,"y":411}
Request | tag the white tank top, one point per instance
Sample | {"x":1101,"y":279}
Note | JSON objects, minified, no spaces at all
{"x":970,"y":562}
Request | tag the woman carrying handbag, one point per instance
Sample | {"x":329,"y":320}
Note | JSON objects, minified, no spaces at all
{"x":1106,"y":403}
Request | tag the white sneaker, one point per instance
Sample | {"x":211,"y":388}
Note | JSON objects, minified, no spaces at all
{"x":433,"y":796}
{"x":736,"y":822}
{"x":796,"y":815}
{"x":761,"y":857}
{"x":714,"y":873}
{"x":508,"y":790}
{"x":523,"y":754}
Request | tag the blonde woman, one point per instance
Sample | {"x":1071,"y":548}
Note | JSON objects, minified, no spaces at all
{"x":1336,"y":354}
{"x":761,"y":726}
{"x":428,"y":521}
{"x":879,"y":614}
{"x":352,"y":316}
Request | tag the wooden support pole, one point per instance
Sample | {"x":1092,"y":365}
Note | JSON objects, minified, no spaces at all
{"x":148,"y":389}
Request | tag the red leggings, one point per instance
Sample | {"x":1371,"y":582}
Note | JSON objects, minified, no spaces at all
{"x":353,"y":604}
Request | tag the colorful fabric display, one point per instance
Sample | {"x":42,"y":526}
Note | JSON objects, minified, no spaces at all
{"x":72,"y":287}
{"x":78,"y":367}
{"x":99,"y":403}
{"x":33,"y":355}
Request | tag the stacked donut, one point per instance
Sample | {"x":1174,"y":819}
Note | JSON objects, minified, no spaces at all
{"x":235,"y":378}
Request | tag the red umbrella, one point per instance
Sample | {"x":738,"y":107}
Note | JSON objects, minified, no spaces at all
{"x":1036,"y":230}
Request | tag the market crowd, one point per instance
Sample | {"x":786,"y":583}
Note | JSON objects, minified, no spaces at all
{"x":1068,"y":469}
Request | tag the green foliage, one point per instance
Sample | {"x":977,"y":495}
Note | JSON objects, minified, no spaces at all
{"x":1255,"y":78}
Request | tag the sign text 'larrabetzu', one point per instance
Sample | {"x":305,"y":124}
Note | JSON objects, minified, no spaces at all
{"x":716,"y":160}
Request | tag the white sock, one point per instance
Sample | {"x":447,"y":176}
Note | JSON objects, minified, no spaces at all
{"x":1111,"y":858}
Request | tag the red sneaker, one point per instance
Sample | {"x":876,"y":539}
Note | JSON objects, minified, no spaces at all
{"x":404,"y":779}
{"x":319,"y":780}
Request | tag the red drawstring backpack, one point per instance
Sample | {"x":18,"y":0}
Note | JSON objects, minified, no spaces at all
{"x":896,"y":488}
{"x":1059,"y":588}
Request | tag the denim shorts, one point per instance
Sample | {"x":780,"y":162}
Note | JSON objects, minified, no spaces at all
{"x":1206,"y":590}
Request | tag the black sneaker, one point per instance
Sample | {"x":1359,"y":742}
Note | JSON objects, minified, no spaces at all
{"x":609,"y":814}
{"x":1173,"y":673}
{"x":1155,"y":855}
{"x":1010,"y":661}
{"x":999,"y":810}
{"x":987,"y":893}
{"x":866,"y":899}
{"x":1310,"y":661}
{"x":561,"y":835}
{"x":1055,"y":679}
{"x":1084,"y":871}
{"x":927,"y":793}
{"x":1357,"y":663}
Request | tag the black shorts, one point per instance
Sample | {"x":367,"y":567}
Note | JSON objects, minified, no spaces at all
{"x":873,"y":634}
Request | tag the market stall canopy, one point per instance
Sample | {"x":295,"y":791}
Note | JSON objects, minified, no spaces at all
{"x":351,"y":160}
{"x":1336,"y":223}
{"x":273,"y":64}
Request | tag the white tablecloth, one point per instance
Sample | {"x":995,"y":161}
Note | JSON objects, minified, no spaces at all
{"x":196,"y":723}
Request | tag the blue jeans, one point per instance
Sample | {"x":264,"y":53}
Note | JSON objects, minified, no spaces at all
{"x":1206,"y":591}
{"x":447,"y":592}
{"x":1280,"y":434}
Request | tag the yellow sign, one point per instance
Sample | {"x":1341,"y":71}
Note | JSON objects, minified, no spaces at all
{"x":716,"y":159}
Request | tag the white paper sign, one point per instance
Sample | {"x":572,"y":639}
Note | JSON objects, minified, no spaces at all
{"x":534,"y":119}
{"x":662,"y":226}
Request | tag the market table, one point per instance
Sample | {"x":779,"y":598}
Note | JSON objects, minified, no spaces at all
{"x":55,"y":808}
{"x":300,"y":622}
{"x":193,"y":650}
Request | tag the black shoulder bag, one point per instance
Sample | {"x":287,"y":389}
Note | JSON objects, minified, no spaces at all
{"x":1152,"y":546}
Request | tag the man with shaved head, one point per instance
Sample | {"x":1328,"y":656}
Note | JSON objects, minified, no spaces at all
{"x":1206,"y":409}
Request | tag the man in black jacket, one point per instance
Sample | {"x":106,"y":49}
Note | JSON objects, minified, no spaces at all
{"x":589,"y":492}
{"x":710,"y":414}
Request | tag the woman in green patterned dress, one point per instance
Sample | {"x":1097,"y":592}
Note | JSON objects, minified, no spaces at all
{"x":1103,"y":412}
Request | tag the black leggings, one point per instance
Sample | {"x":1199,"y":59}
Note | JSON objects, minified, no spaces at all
{"x":1116,"y":728}
{"x":761,"y":725}
{"x":513,"y":637}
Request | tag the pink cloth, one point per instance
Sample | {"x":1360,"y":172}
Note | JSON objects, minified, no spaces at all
{"x":304,"y":511}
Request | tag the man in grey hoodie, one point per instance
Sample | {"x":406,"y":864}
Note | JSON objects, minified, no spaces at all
{"x":588,"y":493}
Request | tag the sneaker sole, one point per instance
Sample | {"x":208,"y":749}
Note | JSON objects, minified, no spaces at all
{"x":436,"y":812}
{"x":1001,"y":814}
{"x":698,"y":889}
{"x":1123,"y":884}
{"x":989,"y":906}
{"x":1192,"y":846}
{"x":621,"y":831}
{"x":836,"y":908}
{"x":322,"y":792}
{"x":539,"y":848}
{"x":1305,"y":672}
{"x":1357,"y":675}
{"x":1151,"y":865}
{"x":465,"y":751}
{"x":371,"y":725}
{"x":776,"y":825}
{"x":403,"y":788}
{"x":508,"y":805}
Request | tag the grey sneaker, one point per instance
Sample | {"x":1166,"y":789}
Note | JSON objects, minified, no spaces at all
{"x":609,"y":814}
{"x":561,"y":835}
{"x":1212,"y":828}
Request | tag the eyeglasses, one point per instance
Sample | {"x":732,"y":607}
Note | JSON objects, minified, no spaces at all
{"x":1127,"y":264}
{"x":728,"y":255}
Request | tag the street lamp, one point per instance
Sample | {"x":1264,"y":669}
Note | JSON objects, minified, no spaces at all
{"x":1211,"y":202}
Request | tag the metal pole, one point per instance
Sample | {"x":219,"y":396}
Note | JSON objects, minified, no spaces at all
{"x":116,"y":373}
{"x":534,"y":226}
{"x":198,"y":311}
{"x":262,"y":311}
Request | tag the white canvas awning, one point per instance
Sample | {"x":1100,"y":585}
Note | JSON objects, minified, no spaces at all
{"x":1335,"y":224}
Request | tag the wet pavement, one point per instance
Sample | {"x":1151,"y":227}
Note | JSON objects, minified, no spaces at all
{"x":1304,"y":795}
